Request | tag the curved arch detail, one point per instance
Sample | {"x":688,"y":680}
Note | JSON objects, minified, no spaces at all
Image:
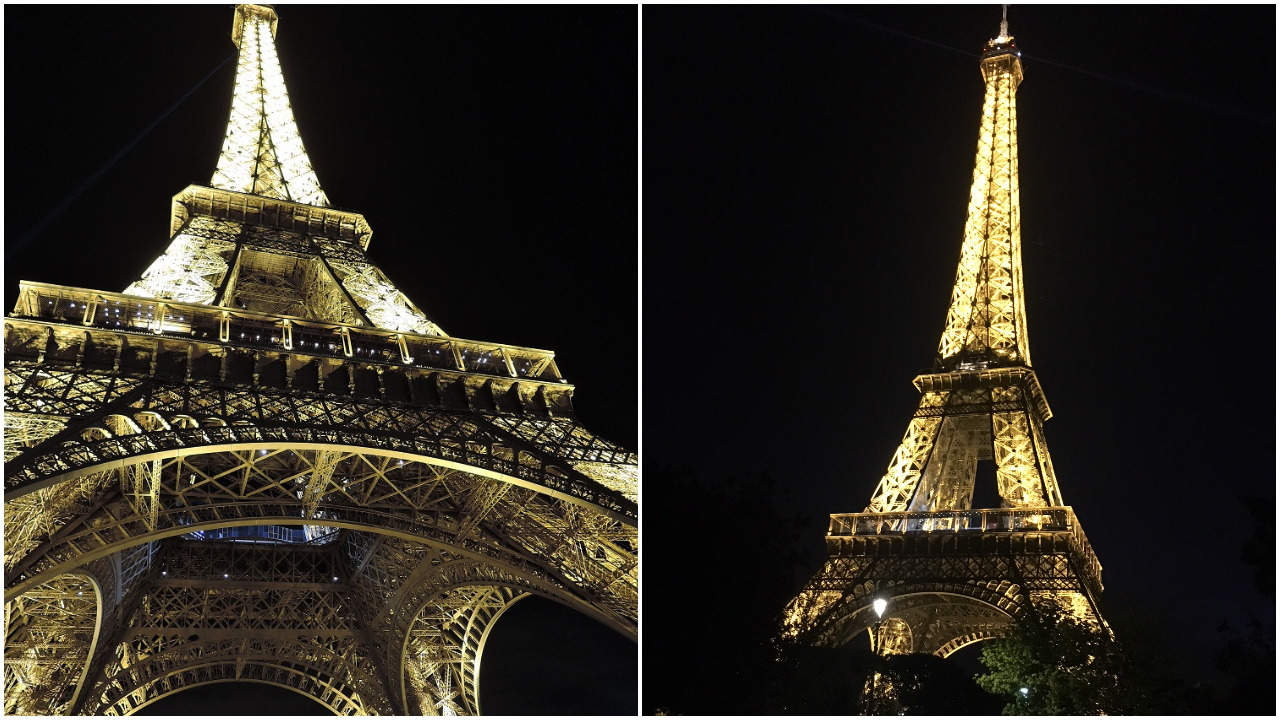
{"x":51,"y":636}
{"x":63,"y":556}
{"x":506,"y":515}
{"x":484,"y":640}
{"x":967,"y":640}
{"x":147,"y":669}
{"x":256,"y":681}
{"x":942,"y":616}
{"x":453,"y":441}
{"x":441,"y":652}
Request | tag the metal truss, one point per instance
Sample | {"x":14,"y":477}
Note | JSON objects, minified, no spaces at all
{"x":49,"y":636}
{"x":53,"y":633}
{"x":263,"y":153}
{"x":216,"y":260}
{"x":262,"y":462}
{"x":442,"y":658}
{"x":955,"y":575}
{"x":436,"y":648}
{"x":34,"y":518}
{"x":124,"y":332}
{"x":191,"y":270}
{"x":988,"y":313}
{"x":481,"y":518}
{"x":186,"y":419}
{"x":426,"y":529}
{"x":315,"y":619}
{"x":382,"y":302}
{"x":952,"y":577}
{"x":230,"y":263}
{"x":222,"y":611}
{"x":963,"y":417}
{"x":320,"y":668}
{"x":22,"y":431}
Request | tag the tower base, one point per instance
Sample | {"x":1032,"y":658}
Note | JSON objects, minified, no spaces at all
{"x":951,"y":578}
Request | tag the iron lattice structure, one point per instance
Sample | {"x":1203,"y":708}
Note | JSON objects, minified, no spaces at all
{"x":951,"y":574}
{"x":262,"y":462}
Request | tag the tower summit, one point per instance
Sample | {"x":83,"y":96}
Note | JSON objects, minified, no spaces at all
{"x":986,"y":322}
{"x":953,"y":574}
{"x":261,"y":462}
{"x":262,"y":153}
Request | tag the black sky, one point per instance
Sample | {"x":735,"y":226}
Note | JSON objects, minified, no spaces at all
{"x":493,"y":151}
{"x":806,"y":174}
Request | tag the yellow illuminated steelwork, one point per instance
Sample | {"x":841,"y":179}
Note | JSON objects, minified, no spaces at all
{"x":192,"y":268}
{"x":383,"y":303}
{"x":992,"y":419}
{"x":263,"y":153}
{"x":622,"y":478}
{"x":264,"y":375}
{"x":987,"y":314}
{"x":50,"y":634}
{"x":958,"y":575}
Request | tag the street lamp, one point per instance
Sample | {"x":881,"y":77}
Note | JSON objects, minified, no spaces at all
{"x":873,"y":698}
{"x":879,"y":604}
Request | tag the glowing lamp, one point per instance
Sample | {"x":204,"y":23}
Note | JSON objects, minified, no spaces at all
{"x":880,"y":604}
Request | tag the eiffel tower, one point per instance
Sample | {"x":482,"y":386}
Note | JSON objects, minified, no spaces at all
{"x":951,"y":574}
{"x":263,"y":462}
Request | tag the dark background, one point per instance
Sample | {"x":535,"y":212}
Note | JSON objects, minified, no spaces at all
{"x":806,"y":176}
{"x":492,"y":150}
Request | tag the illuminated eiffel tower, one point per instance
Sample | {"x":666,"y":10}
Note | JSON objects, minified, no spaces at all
{"x":262,"y":462}
{"x":953,"y":575}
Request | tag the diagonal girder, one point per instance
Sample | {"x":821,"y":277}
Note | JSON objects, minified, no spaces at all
{"x":573,"y":549}
{"x":452,"y":439}
{"x":50,"y":636}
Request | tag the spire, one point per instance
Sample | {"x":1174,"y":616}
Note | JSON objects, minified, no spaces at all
{"x":262,"y":153}
{"x":987,"y":319}
{"x":259,"y":251}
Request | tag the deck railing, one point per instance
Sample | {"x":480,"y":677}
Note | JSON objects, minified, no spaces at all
{"x":993,"y":521}
{"x":94,"y":309}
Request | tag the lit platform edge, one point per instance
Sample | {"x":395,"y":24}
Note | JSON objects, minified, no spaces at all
{"x":995,"y":522}
{"x":95,"y":310}
{"x":983,"y":377}
{"x":240,"y":207}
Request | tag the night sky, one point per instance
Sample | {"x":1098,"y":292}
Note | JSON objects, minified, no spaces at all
{"x":806,"y":175}
{"x":492,"y":150}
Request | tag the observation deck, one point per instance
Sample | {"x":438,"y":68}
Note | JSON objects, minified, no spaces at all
{"x":1020,"y":531}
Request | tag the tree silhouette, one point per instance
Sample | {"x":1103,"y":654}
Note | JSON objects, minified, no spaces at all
{"x":1054,"y":664}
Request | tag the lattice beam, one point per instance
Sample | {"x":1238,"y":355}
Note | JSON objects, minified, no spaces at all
{"x":574,"y":548}
{"x":451,"y":439}
{"x":50,"y":633}
{"x":442,"y":650}
{"x":262,"y":153}
{"x":193,"y":267}
{"x":987,"y":316}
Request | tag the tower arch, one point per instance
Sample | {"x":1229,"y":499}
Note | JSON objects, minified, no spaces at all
{"x":51,"y":633}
